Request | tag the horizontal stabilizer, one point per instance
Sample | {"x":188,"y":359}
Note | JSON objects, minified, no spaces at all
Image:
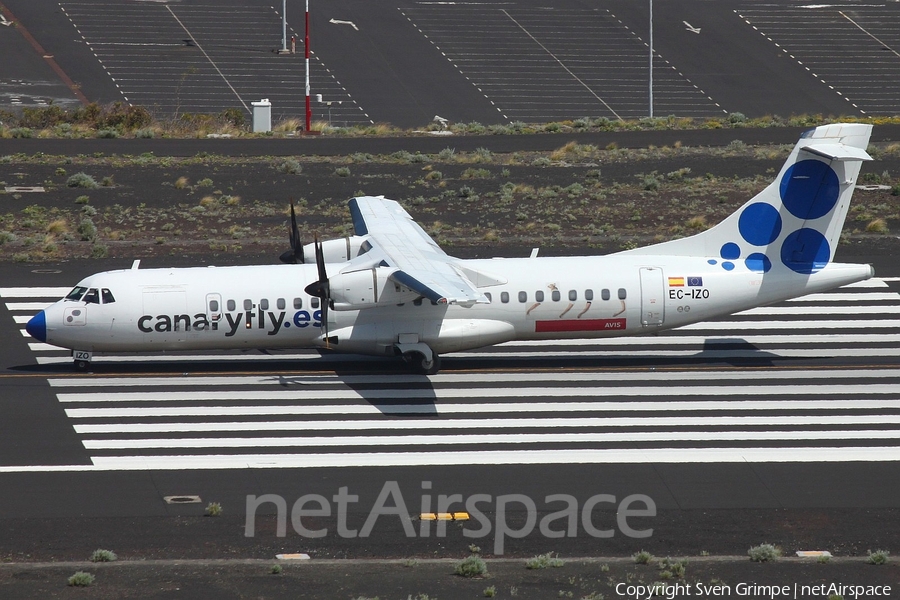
{"x":837,"y":152}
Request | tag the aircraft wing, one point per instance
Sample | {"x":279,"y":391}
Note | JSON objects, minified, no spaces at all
{"x":420,"y":263}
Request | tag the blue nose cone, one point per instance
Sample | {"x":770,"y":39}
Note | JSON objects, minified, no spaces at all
{"x":37,"y":327}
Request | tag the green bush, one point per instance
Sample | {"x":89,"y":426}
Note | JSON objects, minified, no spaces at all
{"x":542,"y":561}
{"x":100,"y":555}
{"x":642,"y":558}
{"x":81,"y":579}
{"x":471,"y":566}
{"x":82,"y":180}
{"x":879,"y":557}
{"x":289,"y":166}
{"x":213,"y":509}
{"x":21,"y":132}
{"x":764,"y":553}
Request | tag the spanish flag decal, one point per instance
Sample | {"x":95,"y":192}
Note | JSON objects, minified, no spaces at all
{"x":676,"y":281}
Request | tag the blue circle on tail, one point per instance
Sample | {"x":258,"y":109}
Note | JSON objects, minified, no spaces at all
{"x":809,"y":189}
{"x":805,"y":251}
{"x":759,"y":224}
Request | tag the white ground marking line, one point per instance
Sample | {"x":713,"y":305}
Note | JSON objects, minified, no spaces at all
{"x":488,"y":438}
{"x":34,"y":292}
{"x":481,"y":393}
{"x":600,"y":353}
{"x":187,"y":31}
{"x":871,"y":35}
{"x":563,"y":65}
{"x":481,"y":457}
{"x":443,"y":378}
{"x":488,"y":457}
{"x":544,"y":423}
{"x":736,"y":326}
{"x":480,"y":408}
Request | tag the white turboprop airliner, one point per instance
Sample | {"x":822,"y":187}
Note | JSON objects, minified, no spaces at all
{"x":391,"y":291}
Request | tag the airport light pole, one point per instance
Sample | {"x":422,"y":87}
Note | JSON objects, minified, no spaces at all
{"x":651,"y":59}
{"x":284,"y":48}
{"x":306,"y":50}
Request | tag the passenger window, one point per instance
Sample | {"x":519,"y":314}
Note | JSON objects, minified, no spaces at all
{"x":264,"y":304}
{"x":280,"y":303}
{"x":622,"y":293}
{"x":504,"y":297}
{"x":555,"y":295}
{"x":604,"y":293}
{"x":298,"y":303}
{"x":213,"y":306}
{"x":248,"y":305}
{"x":231,"y":305}
{"x":539,"y":296}
{"x":314,"y":302}
{"x":488,"y":295}
{"x":107,"y":296}
{"x":573,"y":295}
{"x":92,"y":297}
{"x":588,"y":295}
{"x":76,"y":293}
{"x":523,"y":297}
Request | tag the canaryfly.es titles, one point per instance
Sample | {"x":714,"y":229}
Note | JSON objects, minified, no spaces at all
{"x":795,"y":591}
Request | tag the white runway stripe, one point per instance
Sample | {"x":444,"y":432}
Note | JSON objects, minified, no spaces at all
{"x":795,"y":325}
{"x":856,"y":309}
{"x":32,"y":307}
{"x":700,"y":354}
{"x":489,"y":438}
{"x":674,"y":339}
{"x":481,"y":393}
{"x":470,"y":378}
{"x":851,"y":297}
{"x":34,"y":292}
{"x":430,"y":409}
{"x":493,"y":424}
{"x":494,"y":457}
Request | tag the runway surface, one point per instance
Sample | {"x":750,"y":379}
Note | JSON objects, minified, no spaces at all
{"x":811,"y":380}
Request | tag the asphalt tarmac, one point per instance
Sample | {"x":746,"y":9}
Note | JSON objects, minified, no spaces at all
{"x":407,"y":62}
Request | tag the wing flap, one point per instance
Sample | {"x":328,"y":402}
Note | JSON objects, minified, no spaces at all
{"x":421,"y":264}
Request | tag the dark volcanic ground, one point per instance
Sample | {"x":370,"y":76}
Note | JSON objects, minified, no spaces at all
{"x":575,"y":199}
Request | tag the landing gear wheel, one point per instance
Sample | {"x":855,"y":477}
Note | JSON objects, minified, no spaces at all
{"x":82,"y":365}
{"x":420,"y":365}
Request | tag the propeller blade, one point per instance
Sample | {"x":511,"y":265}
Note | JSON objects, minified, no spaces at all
{"x":295,"y":254}
{"x":321,"y":288}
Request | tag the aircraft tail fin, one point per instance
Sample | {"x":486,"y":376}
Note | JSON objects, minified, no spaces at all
{"x":796,"y":221}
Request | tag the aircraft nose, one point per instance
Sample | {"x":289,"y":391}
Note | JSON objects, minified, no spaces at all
{"x":37,"y":327}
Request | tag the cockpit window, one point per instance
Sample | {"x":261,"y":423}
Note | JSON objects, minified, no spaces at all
{"x":92,"y":297}
{"x":76,"y":293}
{"x":107,"y":296}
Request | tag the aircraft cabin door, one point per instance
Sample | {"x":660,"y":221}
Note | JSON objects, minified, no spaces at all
{"x":653,"y":306}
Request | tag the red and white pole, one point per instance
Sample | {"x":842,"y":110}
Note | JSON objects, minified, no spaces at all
{"x":306,"y":49}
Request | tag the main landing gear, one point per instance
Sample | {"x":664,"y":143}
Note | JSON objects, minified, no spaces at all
{"x":420,"y":358}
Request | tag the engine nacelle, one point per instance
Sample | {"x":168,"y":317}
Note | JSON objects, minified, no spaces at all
{"x":363,"y":289}
{"x":338,"y":250}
